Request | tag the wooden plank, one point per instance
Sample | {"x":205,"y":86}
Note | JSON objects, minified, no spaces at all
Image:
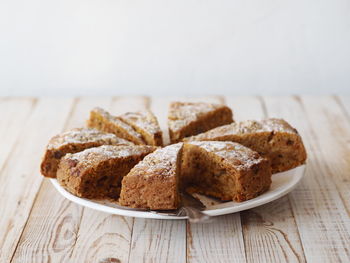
{"x":158,"y":240}
{"x":344,"y":103}
{"x":221,"y":240}
{"x":14,"y":115}
{"x":246,"y":107}
{"x":82,"y":109}
{"x":121,"y":105}
{"x":62,"y":220}
{"x":19,"y":179}
{"x":318,"y":208}
{"x":104,"y":237}
{"x":332,"y":128}
{"x":269,"y":231}
{"x":159,"y":106}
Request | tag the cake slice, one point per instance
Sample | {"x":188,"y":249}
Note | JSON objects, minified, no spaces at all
{"x":273,"y":138}
{"x":225,"y":170}
{"x":188,"y":118}
{"x":153,"y":183}
{"x":104,"y":121}
{"x":146,"y":124}
{"x":73,"y":141}
{"x":96,"y":173}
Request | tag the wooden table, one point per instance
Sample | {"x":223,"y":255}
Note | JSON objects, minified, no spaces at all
{"x":310,"y":224}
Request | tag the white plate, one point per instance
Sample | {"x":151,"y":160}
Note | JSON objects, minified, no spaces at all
{"x":282,"y":184}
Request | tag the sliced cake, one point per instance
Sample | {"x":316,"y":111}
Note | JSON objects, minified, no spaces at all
{"x":225,"y":170}
{"x":272,"y":138}
{"x":188,"y":118}
{"x":73,"y":141}
{"x":96,"y":173}
{"x":104,"y":121}
{"x":153,"y":183}
{"x":145,"y":123}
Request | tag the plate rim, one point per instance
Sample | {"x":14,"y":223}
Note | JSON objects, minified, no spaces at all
{"x":255,"y":202}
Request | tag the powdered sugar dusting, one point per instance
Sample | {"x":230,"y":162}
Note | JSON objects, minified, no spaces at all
{"x":234,"y":153}
{"x":266,"y":125}
{"x":145,"y":120}
{"x":85,"y":135}
{"x":161,"y":162}
{"x":118,"y":122}
{"x":247,"y":127}
{"x":127,"y":127}
{"x":183,"y":113}
{"x":94,"y":155}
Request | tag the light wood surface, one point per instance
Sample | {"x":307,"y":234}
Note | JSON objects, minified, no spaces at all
{"x":311,"y":224}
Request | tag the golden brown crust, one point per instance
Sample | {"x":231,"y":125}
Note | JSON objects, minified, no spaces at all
{"x":225,"y":170}
{"x":145,"y":123}
{"x":153,"y":183}
{"x":104,"y":121}
{"x":186,"y":118}
{"x":97,"y":172}
{"x":74,"y":141}
{"x":272,"y":138}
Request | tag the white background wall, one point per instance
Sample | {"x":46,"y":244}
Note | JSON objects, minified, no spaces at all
{"x":171,"y":47}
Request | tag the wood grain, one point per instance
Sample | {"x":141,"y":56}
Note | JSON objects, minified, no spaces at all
{"x":268,"y":231}
{"x":318,"y":208}
{"x":19,"y":179}
{"x":246,"y":108}
{"x":332,"y":127}
{"x":158,"y":241}
{"x":221,"y":240}
{"x":14,"y":115}
{"x":102,"y":238}
{"x":61,"y":220}
{"x":344,"y":104}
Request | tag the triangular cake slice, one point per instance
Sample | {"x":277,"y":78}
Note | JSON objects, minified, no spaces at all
{"x":145,"y":123}
{"x":225,"y":170}
{"x":153,"y":183}
{"x":97,"y":173}
{"x":272,"y":138}
{"x":189,"y":118}
{"x":73,"y":141}
{"x":104,"y":121}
